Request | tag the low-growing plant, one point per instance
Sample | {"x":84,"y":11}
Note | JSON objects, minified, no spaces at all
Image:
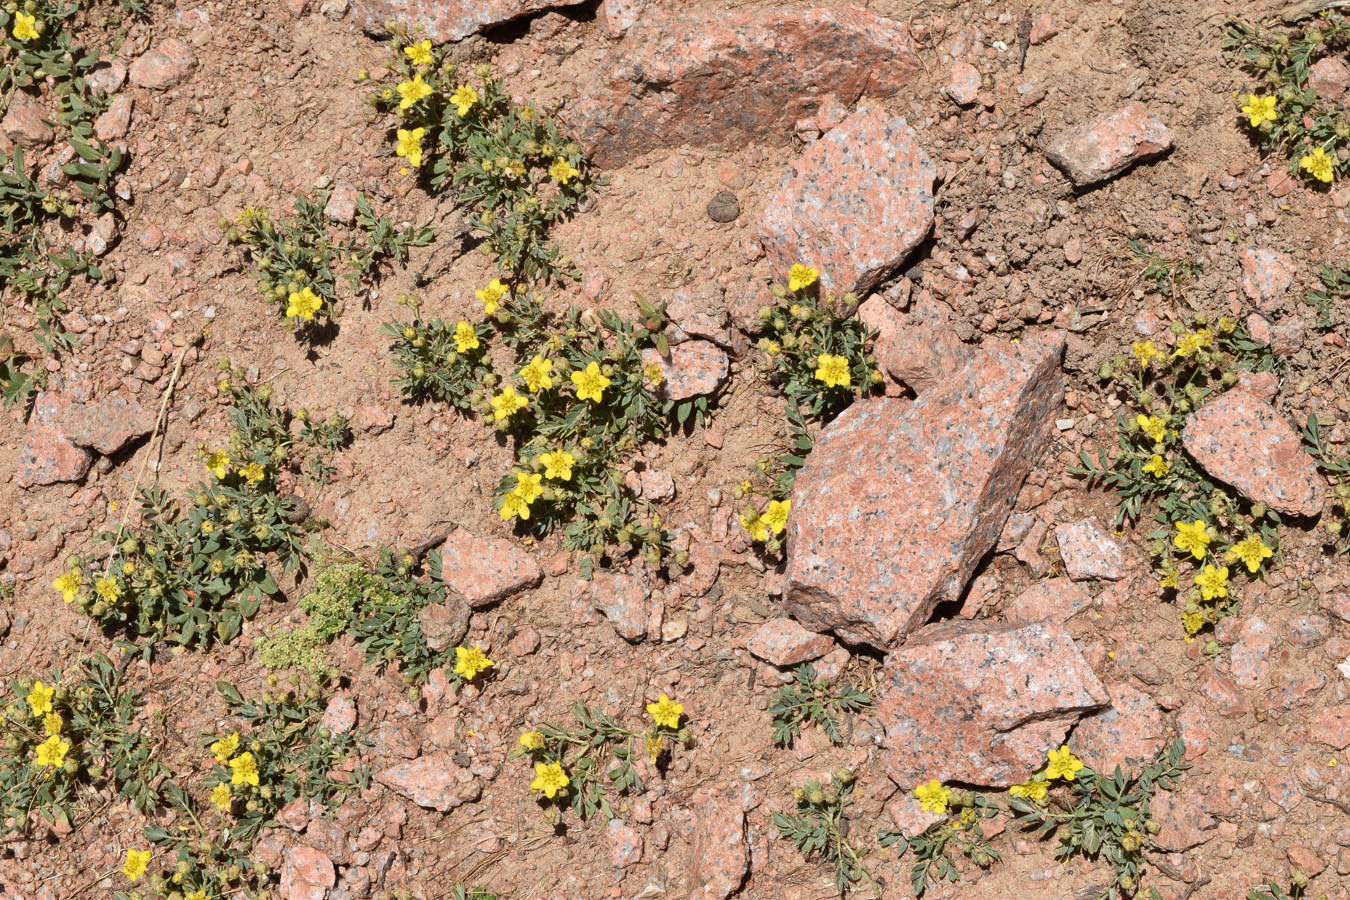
{"x":1168,"y":273}
{"x":1298,"y":880}
{"x":576,"y":768}
{"x":811,"y":700}
{"x":960,"y":831}
{"x":1095,"y":815}
{"x":819,"y":825}
{"x":1336,"y":466}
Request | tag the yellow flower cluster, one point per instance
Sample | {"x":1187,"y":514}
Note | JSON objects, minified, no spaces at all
{"x":1063,"y":764}
{"x":528,"y":489}
{"x":1319,"y":164}
{"x":774,"y":519}
{"x":933,"y":796}
{"x":471,"y":661}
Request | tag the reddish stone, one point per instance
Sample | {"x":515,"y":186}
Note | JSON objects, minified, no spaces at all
{"x":1266,"y":275}
{"x":25,"y":123}
{"x":339,"y":716}
{"x":963,"y":83}
{"x":446,"y":20}
{"x":373,"y":418}
{"x":1108,"y":145}
{"x":709,"y":78}
{"x":1129,"y":733}
{"x":168,"y":63}
{"x":899,"y":501}
{"x":1089,"y":552}
{"x":624,"y":601}
{"x":909,"y":816}
{"x":115,"y":121}
{"x":1249,"y":658}
{"x":306,"y":874}
{"x":1292,"y":690}
{"x":341,"y":205}
{"x":785,"y":643}
{"x":107,"y":425}
{"x":48,"y":456}
{"x":1222,"y":694}
{"x":1338,"y":605}
{"x":433,"y":782}
{"x":1243,"y":441}
{"x":1194,"y":731}
{"x":444,"y":624}
{"x":981,"y":702}
{"x":1043,"y":29}
{"x":1054,"y":600}
{"x":719,"y":854}
{"x":625,"y":844}
{"x":693,"y":369}
{"x":1331,"y":727}
{"x":107,"y":76}
{"x":1304,"y":859}
{"x":617,"y":16}
{"x":1184,"y":824}
{"x":1259,"y":384}
{"x":697,"y":312}
{"x":1329,"y":77}
{"x":856,"y":203}
{"x":486,"y":570}
{"x":918,"y":349}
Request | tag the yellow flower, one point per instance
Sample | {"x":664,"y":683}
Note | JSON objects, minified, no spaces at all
{"x":419,"y":53}
{"x":137,"y":860}
{"x":557,"y":464}
{"x":1212,"y":582}
{"x":755,"y":525}
{"x":464,"y":98}
{"x":244,"y":770}
{"x":538,"y":374}
{"x":654,"y":374}
{"x":218,"y":463}
{"x":776,"y":516}
{"x":69,"y":585}
{"x":195,"y":895}
{"x":1157,"y":466}
{"x":665,"y":712}
{"x":107,"y":589}
{"x":532,"y":741}
{"x":221,"y":797}
{"x":563,"y":171}
{"x":549,"y":778}
{"x":1192,"y":537}
{"x":51,"y":752}
{"x":469,"y":661}
{"x":1251,"y":550}
{"x":1143,"y":352}
{"x":801,"y":276}
{"x":491,"y":295}
{"x":1169,"y":580}
{"x":1152,"y":426}
{"x":514,"y":507}
{"x":1192,"y":622}
{"x":1034,"y":791}
{"x":1259,"y":109}
{"x":224,"y":748}
{"x":25,"y":27}
{"x":654,"y":746}
{"x":528,"y":487}
{"x":253,"y":473}
{"x":466,"y":338}
{"x":52,"y":724}
{"x":40,"y":699}
{"x":933,"y":796}
{"x":208,"y":526}
{"x":1063,"y":764}
{"x":507,"y":404}
{"x":1193,"y":341}
{"x":412,"y":91}
{"x":590,"y":382}
{"x":410,"y":145}
{"x":303,"y":303}
{"x":833,"y":370}
{"x":1319,"y":165}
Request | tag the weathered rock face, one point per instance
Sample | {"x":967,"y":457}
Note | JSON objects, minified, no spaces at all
{"x":918,"y":348}
{"x":981,"y":702}
{"x":694,"y":368}
{"x":1243,"y":441}
{"x":718,"y":80}
{"x":1129,"y":733}
{"x":855,"y":205}
{"x":783,"y":642}
{"x":433,"y":782}
{"x":1106,"y":146}
{"x":48,"y":456}
{"x":107,"y":425}
{"x":1266,"y":275}
{"x":898,"y":501}
{"x":1089,"y":552}
{"x":167,"y":64}
{"x":486,"y":570}
{"x":720,"y":855}
{"x":446,"y":20}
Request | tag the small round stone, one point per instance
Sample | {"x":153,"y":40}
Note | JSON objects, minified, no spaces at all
{"x":724,"y":207}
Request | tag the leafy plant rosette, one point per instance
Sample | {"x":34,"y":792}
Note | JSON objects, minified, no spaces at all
{"x":1207,"y":531}
{"x":960,"y":831}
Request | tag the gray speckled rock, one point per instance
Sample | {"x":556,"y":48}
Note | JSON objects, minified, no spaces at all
{"x":899,"y":500}
{"x":1106,"y":146}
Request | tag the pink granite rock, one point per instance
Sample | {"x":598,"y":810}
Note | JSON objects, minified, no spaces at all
{"x":1089,"y":552}
{"x":981,"y":702}
{"x":693,"y":369}
{"x":909,"y":816}
{"x":919,"y":348}
{"x":1249,"y":658}
{"x":855,"y":204}
{"x":306,"y":874}
{"x":783,"y":642}
{"x":625,"y":844}
{"x":624,"y":601}
{"x":168,"y":63}
{"x":48,"y":456}
{"x":1129,"y":733}
{"x":108,"y":424}
{"x":1053,"y":600}
{"x":446,"y":20}
{"x":615,"y":17}
{"x":718,"y":79}
{"x":719,"y":855}
{"x":1184,"y":823}
{"x":115,"y":121}
{"x":1331,"y":727}
{"x":1108,"y":145}
{"x":963,"y":83}
{"x":434,"y":782}
{"x":1329,"y":77}
{"x":1243,"y":441}
{"x":25,"y":123}
{"x":1266,"y":274}
{"x":899,"y":500}
{"x":486,"y":570}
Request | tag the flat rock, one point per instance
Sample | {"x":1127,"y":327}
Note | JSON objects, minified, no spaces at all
{"x":1108,"y":145}
{"x":899,"y":500}
{"x":625,"y":844}
{"x":719,"y":80}
{"x":446,"y":20}
{"x":783,"y":642}
{"x":623,"y":600}
{"x":1184,"y":823}
{"x":25,"y":123}
{"x":107,"y":425}
{"x":486,"y":570}
{"x":855,"y":204}
{"x":445,"y":624}
{"x":115,"y":121}
{"x":306,"y":874}
{"x":1053,"y":600}
{"x":980,"y":702}
{"x":697,"y":312}
{"x":1329,"y":77}
{"x":168,"y":63}
{"x":341,"y":205}
{"x":1331,"y":727}
{"x":693,"y":369}
{"x":48,"y":457}
{"x":719,"y":853}
{"x":920,"y":348}
{"x":963,"y":83}
{"x":1243,"y":441}
{"x":432,"y":782}
{"x":1089,"y":552}
{"x":339,"y":716}
{"x":909,"y":816}
{"x":1266,"y":275}
{"x":1128,"y":733}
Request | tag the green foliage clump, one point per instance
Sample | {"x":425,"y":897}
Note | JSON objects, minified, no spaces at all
{"x":819,"y":826}
{"x":960,"y":831}
{"x":1336,"y":466}
{"x":810,"y":700}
